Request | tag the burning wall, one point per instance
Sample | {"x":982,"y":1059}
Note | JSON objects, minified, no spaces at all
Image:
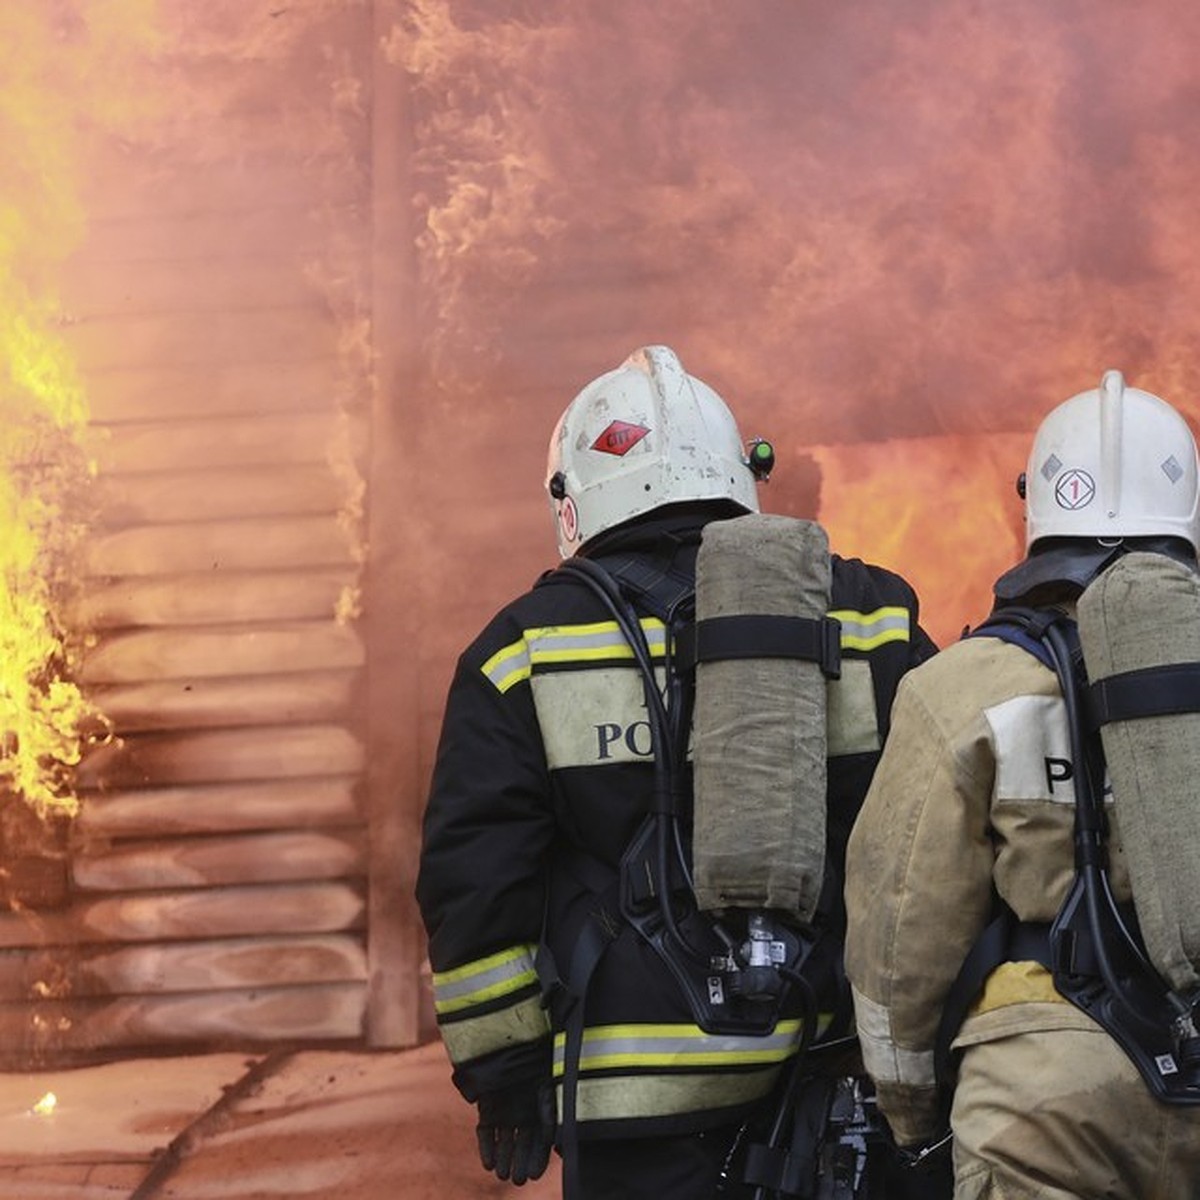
{"x":210,"y":312}
{"x":891,"y":234}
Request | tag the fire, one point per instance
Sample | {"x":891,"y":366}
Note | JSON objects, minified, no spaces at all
{"x":941,"y":511}
{"x":46,"y":1106}
{"x":56,"y":81}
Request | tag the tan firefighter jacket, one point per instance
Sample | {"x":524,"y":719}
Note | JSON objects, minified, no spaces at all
{"x":973,"y":792}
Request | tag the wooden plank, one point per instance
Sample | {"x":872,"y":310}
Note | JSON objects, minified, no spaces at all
{"x":319,"y":1012}
{"x":207,"y":231}
{"x":256,"y":441}
{"x":305,"y":383}
{"x":273,"y":804}
{"x":301,"y":697}
{"x":76,"y":971}
{"x":222,"y":756}
{"x":223,"y":598}
{"x":285,"y":857}
{"x":198,"y":338}
{"x":207,"y":652}
{"x":193,"y":913}
{"x":259,"y":543}
{"x":216,"y":494}
{"x":145,"y":188}
{"x":272,"y":278}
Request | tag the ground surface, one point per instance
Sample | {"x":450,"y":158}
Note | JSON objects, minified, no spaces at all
{"x":316,"y":1124}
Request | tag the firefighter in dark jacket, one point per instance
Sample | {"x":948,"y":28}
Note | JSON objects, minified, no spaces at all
{"x":545,"y":773}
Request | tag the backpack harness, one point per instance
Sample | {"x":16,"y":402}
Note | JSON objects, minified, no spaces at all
{"x":652,"y":894}
{"x":1093,"y":947}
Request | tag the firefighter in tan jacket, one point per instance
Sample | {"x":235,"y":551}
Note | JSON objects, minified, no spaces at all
{"x":971,"y":814}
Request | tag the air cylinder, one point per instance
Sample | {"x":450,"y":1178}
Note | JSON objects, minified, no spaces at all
{"x":1142,"y":613}
{"x":759,"y":739}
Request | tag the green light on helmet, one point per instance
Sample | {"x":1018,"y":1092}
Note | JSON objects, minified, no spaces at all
{"x":761,"y":460}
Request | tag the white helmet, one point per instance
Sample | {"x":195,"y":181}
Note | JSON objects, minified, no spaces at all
{"x":639,"y":437}
{"x":1113,"y":463}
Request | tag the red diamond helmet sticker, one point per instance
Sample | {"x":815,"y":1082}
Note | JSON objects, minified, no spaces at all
{"x":619,"y":438}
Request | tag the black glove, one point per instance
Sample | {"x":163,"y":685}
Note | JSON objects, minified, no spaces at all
{"x":516,"y":1131}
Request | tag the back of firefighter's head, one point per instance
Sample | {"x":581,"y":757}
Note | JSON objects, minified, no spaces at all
{"x":643,"y":436}
{"x":1111,"y":465}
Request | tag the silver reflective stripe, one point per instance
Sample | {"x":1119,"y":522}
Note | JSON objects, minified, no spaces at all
{"x":642,"y":1046}
{"x":604,"y":640}
{"x":627,"y":1096}
{"x":508,"y":666}
{"x":884,"y":1060}
{"x":484,"y":979}
{"x":522,"y":1022}
{"x":866,"y":631}
{"x":598,"y":641}
{"x":582,"y":643}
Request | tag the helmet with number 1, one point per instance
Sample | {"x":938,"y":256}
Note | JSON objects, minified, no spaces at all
{"x":1113,"y":463}
{"x":640,"y":437}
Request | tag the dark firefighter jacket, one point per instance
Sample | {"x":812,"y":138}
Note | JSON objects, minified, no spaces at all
{"x":544,"y":766}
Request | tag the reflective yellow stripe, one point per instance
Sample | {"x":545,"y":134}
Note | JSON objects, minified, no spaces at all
{"x":602,"y":640}
{"x":508,"y":666}
{"x":1017,"y":983}
{"x":650,"y":1046}
{"x":866,"y":631}
{"x":598,"y":641}
{"x":483,"y":980}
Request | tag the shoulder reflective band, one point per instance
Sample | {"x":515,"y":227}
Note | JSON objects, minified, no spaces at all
{"x":763,"y":636}
{"x":596,"y":642}
{"x":1149,"y":692}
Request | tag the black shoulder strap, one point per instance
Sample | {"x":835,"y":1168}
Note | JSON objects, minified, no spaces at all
{"x":661,"y":586}
{"x":1022,"y":626}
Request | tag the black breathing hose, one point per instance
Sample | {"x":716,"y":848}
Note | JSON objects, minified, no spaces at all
{"x":1089,"y":839}
{"x":664,"y":750}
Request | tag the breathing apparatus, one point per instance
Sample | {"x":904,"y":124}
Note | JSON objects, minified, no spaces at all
{"x":724,"y":877}
{"x":640,"y":438}
{"x":1097,"y":953}
{"x":1112,"y":494}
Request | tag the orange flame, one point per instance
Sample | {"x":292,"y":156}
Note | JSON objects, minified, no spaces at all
{"x":942,"y":511}
{"x":59,"y":73}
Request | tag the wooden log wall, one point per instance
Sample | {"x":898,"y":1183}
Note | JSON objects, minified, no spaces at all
{"x":225,"y":870}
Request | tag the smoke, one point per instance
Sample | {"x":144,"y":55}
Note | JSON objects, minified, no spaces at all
{"x":918,"y":221}
{"x":892,"y":234}
{"x":910,"y":205}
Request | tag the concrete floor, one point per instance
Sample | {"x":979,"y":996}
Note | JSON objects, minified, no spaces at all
{"x":313,"y":1124}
